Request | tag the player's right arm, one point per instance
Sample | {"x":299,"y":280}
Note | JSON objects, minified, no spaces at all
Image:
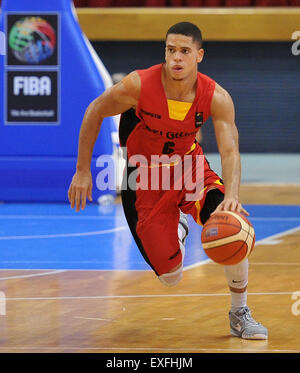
{"x":115,"y":100}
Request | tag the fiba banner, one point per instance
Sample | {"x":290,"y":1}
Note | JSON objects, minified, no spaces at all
{"x":32,"y":92}
{"x":33,"y":43}
{"x":49,"y":74}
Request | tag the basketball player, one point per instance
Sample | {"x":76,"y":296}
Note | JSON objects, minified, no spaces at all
{"x":162,"y":109}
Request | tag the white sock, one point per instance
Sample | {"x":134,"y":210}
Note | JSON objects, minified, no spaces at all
{"x":238,"y":300}
{"x":181,"y":232}
{"x":237,"y":275}
{"x":181,"y":236}
{"x":182,"y":249}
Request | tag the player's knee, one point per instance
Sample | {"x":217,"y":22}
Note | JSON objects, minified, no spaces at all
{"x":171,"y":278}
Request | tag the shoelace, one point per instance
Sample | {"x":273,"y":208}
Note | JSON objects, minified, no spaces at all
{"x":245,"y":314}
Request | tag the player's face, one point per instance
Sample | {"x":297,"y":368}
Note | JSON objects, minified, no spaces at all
{"x":182,"y":56}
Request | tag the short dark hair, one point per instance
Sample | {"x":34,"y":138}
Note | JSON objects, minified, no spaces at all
{"x":187,"y":29}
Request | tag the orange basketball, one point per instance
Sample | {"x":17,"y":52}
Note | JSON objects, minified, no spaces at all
{"x":228,"y":237}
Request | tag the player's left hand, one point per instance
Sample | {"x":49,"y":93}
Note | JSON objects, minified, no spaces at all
{"x":231,"y":204}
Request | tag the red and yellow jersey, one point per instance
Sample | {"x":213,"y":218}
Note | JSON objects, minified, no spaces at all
{"x":161,"y":126}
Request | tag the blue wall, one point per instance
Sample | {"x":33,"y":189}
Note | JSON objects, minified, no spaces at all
{"x":262,"y":78}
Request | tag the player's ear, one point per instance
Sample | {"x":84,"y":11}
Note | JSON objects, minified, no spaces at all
{"x":200,"y":55}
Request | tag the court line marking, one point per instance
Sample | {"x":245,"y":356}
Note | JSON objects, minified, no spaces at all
{"x":188,"y":349}
{"x":271,"y":183}
{"x":208,"y":261}
{"x":278,"y":235}
{"x":25,"y":269}
{"x":276,"y":264}
{"x":91,"y":318}
{"x":264,"y":263}
{"x":168,"y":318}
{"x":53,"y":272}
{"x":194,"y":265}
{"x":60,"y":235}
{"x":107,"y":231}
{"x":290,"y":218}
{"x":197,"y":264}
{"x":121,"y":270}
{"x":91,"y":297}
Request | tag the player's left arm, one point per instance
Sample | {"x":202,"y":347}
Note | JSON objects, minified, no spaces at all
{"x":223,"y":116}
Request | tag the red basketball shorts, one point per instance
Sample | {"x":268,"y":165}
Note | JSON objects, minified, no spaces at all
{"x":153,"y":214}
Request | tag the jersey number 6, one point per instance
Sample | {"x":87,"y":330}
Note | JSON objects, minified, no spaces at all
{"x":168,"y":147}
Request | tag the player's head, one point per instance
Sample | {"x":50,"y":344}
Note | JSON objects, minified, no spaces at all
{"x":183,"y":50}
{"x":187,"y":29}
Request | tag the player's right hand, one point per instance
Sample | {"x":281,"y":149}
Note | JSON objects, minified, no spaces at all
{"x":80,"y":189}
{"x":231,"y":204}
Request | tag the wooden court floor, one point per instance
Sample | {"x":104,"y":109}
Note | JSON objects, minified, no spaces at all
{"x":131,"y":311}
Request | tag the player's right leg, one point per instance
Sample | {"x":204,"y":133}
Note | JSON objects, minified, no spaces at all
{"x":172,"y":277}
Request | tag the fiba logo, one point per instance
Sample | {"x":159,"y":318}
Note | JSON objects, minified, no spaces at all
{"x":32,"y":40}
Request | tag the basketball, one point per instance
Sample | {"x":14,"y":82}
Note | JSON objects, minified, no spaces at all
{"x":228,"y":237}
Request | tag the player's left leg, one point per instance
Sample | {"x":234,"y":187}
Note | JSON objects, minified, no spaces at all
{"x":241,"y":322}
